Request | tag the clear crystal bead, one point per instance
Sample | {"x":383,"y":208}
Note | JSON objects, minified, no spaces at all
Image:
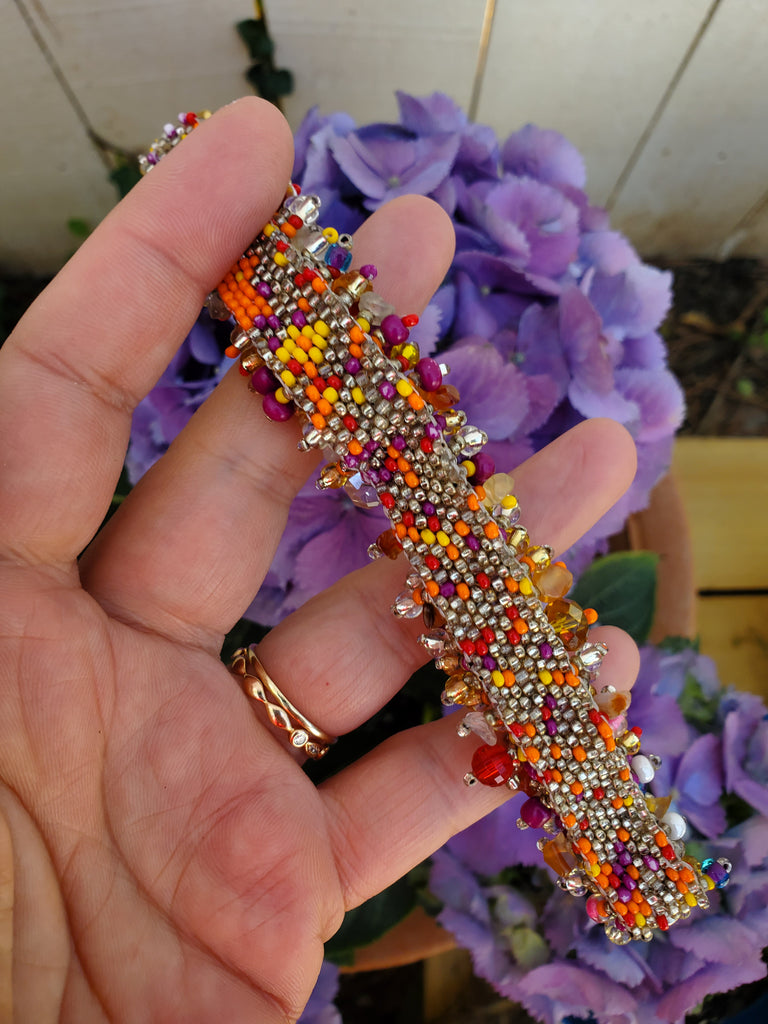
{"x":217,"y":308}
{"x":305,"y":206}
{"x":374,"y":308}
{"x":404,"y":607}
{"x":477,"y":723}
{"x":362,"y":493}
{"x":434,"y":642}
{"x":470,"y":440}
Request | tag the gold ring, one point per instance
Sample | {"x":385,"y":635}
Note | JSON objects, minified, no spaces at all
{"x":258,"y":684}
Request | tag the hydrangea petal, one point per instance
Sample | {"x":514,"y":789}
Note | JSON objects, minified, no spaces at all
{"x":545,"y":155}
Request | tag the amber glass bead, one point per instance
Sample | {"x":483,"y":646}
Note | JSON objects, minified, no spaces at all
{"x":568,"y":621}
{"x":558,"y":854}
{"x":460,"y":690}
{"x":389,"y":544}
{"x":553,"y":581}
{"x":442,"y":399}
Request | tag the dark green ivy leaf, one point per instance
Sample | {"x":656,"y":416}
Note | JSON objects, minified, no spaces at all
{"x":371,"y":920}
{"x":622,"y":587}
{"x":256,"y":38}
{"x":270,"y":83}
{"x":124,"y":177}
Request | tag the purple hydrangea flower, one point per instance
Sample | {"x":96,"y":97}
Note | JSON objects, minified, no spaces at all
{"x":745,"y":745}
{"x":321,"y":1009}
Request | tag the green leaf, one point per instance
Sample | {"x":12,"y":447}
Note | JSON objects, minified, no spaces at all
{"x":255,"y":36}
{"x":676,"y":644}
{"x":78,"y":227}
{"x":270,"y":83}
{"x":371,"y":920}
{"x":745,"y":387}
{"x":698,"y":709}
{"x":124,"y":177}
{"x":622,"y":587}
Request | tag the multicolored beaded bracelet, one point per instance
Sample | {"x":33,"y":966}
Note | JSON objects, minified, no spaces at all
{"x":315,"y":339}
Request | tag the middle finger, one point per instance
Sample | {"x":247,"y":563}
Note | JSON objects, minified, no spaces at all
{"x":190,"y":545}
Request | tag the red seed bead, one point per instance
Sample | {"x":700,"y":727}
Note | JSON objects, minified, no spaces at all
{"x":598,"y":793}
{"x":481,"y":647}
{"x":488,"y":635}
{"x":432,"y":563}
{"x":282,"y":246}
{"x":467,"y":646}
{"x":434,"y":524}
{"x":408,"y":517}
{"x":390,"y":464}
{"x":350,"y":422}
{"x":594,"y":716}
{"x":295,"y":221}
{"x":411,"y":320}
{"x":294,"y":366}
{"x":426,"y":445}
{"x":517,"y":730}
{"x":334,"y":382}
{"x":387,"y":500}
{"x":482,"y":581}
{"x":668,"y":852}
{"x":662,"y":922}
{"x":513,"y":636}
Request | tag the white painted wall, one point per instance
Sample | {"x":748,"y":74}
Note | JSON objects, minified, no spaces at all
{"x":667,"y":99}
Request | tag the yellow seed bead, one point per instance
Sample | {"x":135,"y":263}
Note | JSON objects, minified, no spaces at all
{"x":331,"y":395}
{"x":287,"y":378}
{"x":363,"y":324}
{"x":308,"y":330}
{"x":404,"y":387}
{"x":469,"y":465}
{"x":319,"y":341}
{"x":545,"y":677}
{"x":300,"y":355}
{"x":293,"y":331}
{"x":442,"y":538}
{"x":690,"y":899}
{"x":280,"y":259}
{"x":595,"y":871}
{"x":497,"y":677}
{"x":509,"y":502}
{"x":428,"y":537}
{"x":268,"y":229}
{"x":640,"y":920}
{"x":331,"y":234}
{"x":281,"y":396}
{"x":628,"y":801}
{"x":290,"y":344}
{"x":359,"y":397}
{"x":239,"y":276}
{"x":315,"y":354}
{"x":321,"y":328}
{"x":283,"y":354}
{"x":710,"y":882}
{"x":526,"y":586}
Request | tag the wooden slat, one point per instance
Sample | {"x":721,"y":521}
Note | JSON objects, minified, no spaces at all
{"x":703,"y":169}
{"x":48,"y":169}
{"x":724,"y":484}
{"x":734,"y":631}
{"x":594,"y":71}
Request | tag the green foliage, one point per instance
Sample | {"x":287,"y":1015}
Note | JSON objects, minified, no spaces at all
{"x":622,"y":587}
{"x":78,"y":228}
{"x":697,"y":708}
{"x":269,"y":82}
{"x":124,"y":176}
{"x":371,"y":920}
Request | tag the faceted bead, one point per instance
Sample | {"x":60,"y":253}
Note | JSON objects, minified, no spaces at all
{"x":362,"y":493}
{"x":434,"y":642}
{"x":407,"y":351}
{"x":568,"y":621}
{"x":469,"y":441}
{"x":492,"y":765}
{"x":374,"y":308}
{"x":443,"y":398}
{"x":476,"y":722}
{"x":558,"y":854}
{"x":498,"y":487}
{"x":405,"y":607}
{"x":217,"y":307}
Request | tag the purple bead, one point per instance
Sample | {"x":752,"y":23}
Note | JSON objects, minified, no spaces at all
{"x":485,"y":467}
{"x":623,"y":894}
{"x":472,"y":542}
{"x":651,"y":863}
{"x":385,"y":475}
{"x":394,"y":330}
{"x":298,"y":319}
{"x":275,"y":410}
{"x":352,"y":461}
{"x":387,"y":390}
{"x":263,"y":381}
{"x":151,"y":158}
{"x":624,"y":858}
{"x":718,"y":874}
{"x":260,"y":322}
{"x":399,"y":442}
{"x":619,"y":846}
{"x":275,"y":344}
{"x":629,"y":882}
{"x":534,"y":813}
{"x":440,"y":421}
{"x":545,"y":651}
{"x":374,"y":475}
{"x":352,"y":366}
{"x":263,"y":289}
{"x":368,"y":270}
{"x":430,"y":374}
{"x":432,"y":431}
{"x":551,"y":726}
{"x":371,"y":446}
{"x":448,"y":589}
{"x":337,"y":257}
{"x":428,"y":508}
{"x":550,"y":701}
{"x":274,"y":322}
{"x":489,"y":663}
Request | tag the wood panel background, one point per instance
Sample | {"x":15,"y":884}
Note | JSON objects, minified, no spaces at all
{"x":667,"y":101}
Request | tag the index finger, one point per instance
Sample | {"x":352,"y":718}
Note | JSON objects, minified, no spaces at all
{"x":100,"y":335}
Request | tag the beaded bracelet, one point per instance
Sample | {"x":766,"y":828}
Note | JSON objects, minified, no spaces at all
{"x":315,"y":339}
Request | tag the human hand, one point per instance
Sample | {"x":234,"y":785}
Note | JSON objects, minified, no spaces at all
{"x":171,"y":860}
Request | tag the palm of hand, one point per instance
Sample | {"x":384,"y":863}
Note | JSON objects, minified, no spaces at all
{"x":171,"y":859}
